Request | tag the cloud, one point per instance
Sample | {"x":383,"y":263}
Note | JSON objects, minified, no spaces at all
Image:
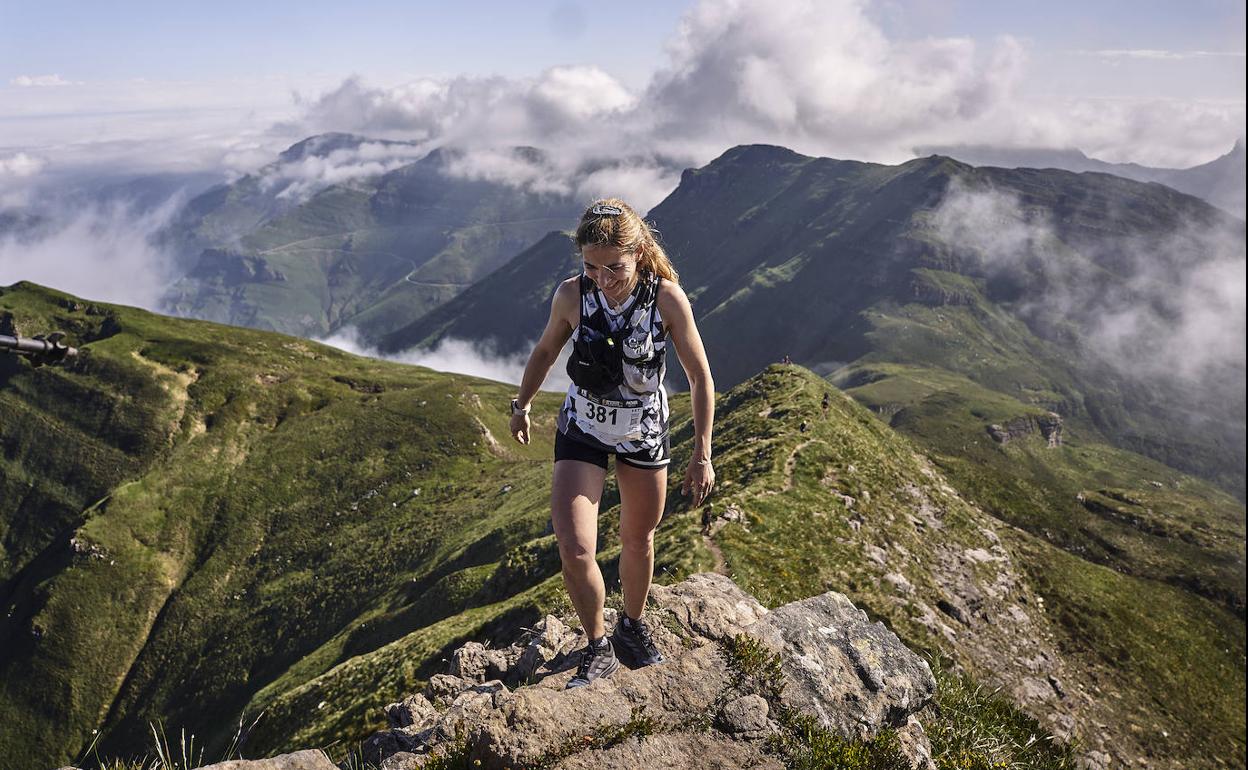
{"x":1152,"y":53}
{"x":299,"y":179}
{"x":20,"y":165}
{"x":39,"y":81}
{"x":1164,"y":307}
{"x":461,"y":357}
{"x":822,"y":78}
{"x":102,"y":252}
{"x":17,"y":176}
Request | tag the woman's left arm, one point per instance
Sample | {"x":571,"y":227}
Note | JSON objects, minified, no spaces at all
{"x":683,"y":334}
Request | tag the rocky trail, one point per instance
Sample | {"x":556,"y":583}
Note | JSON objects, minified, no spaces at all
{"x":738,"y":681}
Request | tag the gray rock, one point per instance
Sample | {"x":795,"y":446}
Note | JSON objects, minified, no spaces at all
{"x":443,"y":688}
{"x":412,"y":710}
{"x":747,"y":714}
{"x":548,"y":651}
{"x":403,"y":761}
{"x":915,"y":745}
{"x":309,"y":759}
{"x":675,"y":751}
{"x":478,"y":663}
{"x":709,"y":605}
{"x":855,"y":676}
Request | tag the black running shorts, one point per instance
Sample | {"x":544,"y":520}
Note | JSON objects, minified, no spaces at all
{"x":578,"y":445}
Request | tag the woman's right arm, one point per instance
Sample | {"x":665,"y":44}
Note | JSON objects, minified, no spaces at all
{"x":563,"y":309}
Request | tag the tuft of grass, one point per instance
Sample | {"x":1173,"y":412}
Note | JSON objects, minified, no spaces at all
{"x":639,"y":725}
{"x":804,"y":744}
{"x":755,"y":668}
{"x":974,"y":728}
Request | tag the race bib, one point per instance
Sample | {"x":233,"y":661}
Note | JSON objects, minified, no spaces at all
{"x":610,"y":421}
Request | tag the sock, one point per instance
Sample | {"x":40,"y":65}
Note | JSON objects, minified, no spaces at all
{"x":598,"y":643}
{"x":629,"y":621}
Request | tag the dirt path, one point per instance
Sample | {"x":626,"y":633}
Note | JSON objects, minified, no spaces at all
{"x":721,"y":565}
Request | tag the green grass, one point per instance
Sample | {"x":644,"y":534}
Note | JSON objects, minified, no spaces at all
{"x":248,"y":538}
{"x":251,"y":519}
{"x":1101,"y":503}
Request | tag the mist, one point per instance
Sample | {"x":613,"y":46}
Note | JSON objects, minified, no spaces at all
{"x":103,"y":251}
{"x":462,"y":357}
{"x":1167,"y":308}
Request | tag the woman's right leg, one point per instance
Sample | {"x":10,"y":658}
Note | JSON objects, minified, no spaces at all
{"x":574,"y":496}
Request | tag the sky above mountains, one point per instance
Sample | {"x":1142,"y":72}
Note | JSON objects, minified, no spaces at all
{"x":152,"y":86}
{"x":93,"y":94}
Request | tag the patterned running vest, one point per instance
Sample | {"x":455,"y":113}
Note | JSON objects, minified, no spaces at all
{"x":641,"y":396}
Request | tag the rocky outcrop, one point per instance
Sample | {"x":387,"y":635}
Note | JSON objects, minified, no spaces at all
{"x":735,"y":673}
{"x":311,"y":759}
{"x":1048,"y":425}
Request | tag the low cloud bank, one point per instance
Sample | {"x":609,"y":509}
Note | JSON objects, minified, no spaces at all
{"x":1164,"y":307}
{"x":461,"y":357}
{"x":105,"y":252}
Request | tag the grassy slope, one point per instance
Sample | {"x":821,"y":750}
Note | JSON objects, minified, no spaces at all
{"x":835,"y":262}
{"x":1152,"y":656}
{"x":1103,"y":504}
{"x":801,"y":540}
{"x":262,"y":504}
{"x":374,"y":254}
{"x":260,"y":546}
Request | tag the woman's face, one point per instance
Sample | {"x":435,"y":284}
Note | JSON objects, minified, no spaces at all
{"x":612,"y":268}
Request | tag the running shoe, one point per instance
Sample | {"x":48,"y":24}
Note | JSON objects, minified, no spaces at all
{"x":636,"y":642}
{"x":597,"y":662}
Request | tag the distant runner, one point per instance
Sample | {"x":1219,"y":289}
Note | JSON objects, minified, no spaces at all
{"x":623,"y":310}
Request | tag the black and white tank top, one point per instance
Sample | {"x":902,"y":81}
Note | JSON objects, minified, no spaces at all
{"x":633,"y":417}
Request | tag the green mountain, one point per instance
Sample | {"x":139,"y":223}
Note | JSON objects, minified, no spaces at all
{"x":1220,"y":181}
{"x":271,"y":251}
{"x":846,"y":265}
{"x":234,"y":522}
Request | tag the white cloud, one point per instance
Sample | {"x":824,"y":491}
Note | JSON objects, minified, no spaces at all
{"x":299,"y":179}
{"x":819,"y":77}
{"x":18,"y":175}
{"x":39,"y":81}
{"x":1166,"y":307}
{"x":20,"y":165}
{"x":461,"y":357}
{"x":1153,"y":53}
{"x":103,"y":252}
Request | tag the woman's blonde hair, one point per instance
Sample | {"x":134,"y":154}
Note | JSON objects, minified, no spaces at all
{"x":626,"y":231}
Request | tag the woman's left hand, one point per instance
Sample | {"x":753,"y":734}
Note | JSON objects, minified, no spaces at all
{"x":699,"y":479}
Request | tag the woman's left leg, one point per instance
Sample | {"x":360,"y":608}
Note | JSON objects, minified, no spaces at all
{"x":642,"y":495}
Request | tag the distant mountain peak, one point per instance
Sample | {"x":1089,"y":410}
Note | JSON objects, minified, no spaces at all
{"x":322,"y":145}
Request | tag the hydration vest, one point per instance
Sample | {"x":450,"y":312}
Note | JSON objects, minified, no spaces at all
{"x":604,"y":360}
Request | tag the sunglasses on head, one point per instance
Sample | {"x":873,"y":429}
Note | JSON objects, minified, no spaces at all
{"x":605,"y":210}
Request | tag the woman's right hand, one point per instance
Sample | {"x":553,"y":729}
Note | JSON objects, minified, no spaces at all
{"x":520,"y":427}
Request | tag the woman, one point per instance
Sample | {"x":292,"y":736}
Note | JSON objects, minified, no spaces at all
{"x":623,"y":309}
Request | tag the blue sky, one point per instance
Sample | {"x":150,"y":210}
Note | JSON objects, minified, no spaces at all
{"x":84,"y":41}
{"x":183,"y":86}
{"x":117,"y":40}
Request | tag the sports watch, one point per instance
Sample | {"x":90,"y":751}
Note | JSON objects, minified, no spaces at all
{"x":515,"y":408}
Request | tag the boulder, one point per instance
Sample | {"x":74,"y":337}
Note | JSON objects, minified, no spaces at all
{"x":309,"y":759}
{"x":854,"y":675}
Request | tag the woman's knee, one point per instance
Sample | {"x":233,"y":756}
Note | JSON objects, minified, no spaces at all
{"x":638,"y":544}
{"x":576,"y":556}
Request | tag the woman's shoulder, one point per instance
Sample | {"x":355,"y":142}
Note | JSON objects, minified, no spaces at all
{"x":670,"y":297}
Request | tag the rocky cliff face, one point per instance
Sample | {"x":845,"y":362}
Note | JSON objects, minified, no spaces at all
{"x":1047,"y":425}
{"x":738,"y":681}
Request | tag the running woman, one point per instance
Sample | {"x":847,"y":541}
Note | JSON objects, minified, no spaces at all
{"x":623,"y":310}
